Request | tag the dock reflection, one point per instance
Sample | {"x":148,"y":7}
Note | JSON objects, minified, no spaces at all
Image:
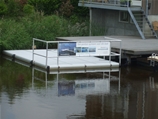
{"x":111,"y":97}
{"x":131,"y":93}
{"x":82,"y":86}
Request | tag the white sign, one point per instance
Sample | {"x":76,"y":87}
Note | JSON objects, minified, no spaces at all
{"x":93,"y":48}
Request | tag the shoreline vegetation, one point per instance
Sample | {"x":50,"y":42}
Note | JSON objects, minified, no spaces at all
{"x":23,"y":20}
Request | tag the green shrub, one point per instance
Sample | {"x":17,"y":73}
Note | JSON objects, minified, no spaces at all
{"x":28,"y":9}
{"x":45,"y":27}
{"x":47,"y":6}
{"x":3,"y":8}
{"x":78,"y":29}
{"x":14,"y":35}
{"x":18,"y":34}
{"x":14,"y":8}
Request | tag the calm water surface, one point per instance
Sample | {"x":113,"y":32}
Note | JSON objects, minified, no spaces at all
{"x":130,"y":93}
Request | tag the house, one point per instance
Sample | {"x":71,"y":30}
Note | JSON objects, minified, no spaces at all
{"x":121,"y":17}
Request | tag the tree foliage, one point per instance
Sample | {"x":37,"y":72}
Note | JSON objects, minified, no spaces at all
{"x":47,"y":6}
{"x":66,"y":8}
{"x":3,"y":8}
{"x":18,"y":34}
{"x":28,"y":9}
{"x":43,"y":19}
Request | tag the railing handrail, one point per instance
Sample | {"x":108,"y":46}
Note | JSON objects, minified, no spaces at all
{"x":47,"y":42}
{"x":124,"y":3}
{"x":111,"y":39}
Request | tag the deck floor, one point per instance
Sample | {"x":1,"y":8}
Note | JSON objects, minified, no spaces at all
{"x":63,"y":63}
{"x":137,"y":46}
{"x":131,"y":45}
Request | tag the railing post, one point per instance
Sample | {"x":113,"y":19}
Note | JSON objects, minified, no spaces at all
{"x":46,"y":53}
{"x":33,"y":50}
{"x":58,"y":54}
{"x":120,"y":53}
{"x":110,"y":53}
{"x":90,"y":20}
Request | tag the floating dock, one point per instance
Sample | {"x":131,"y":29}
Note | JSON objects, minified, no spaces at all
{"x":49,"y":59}
{"x":72,"y":62}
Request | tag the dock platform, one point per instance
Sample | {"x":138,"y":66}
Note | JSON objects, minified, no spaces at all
{"x":130,"y":45}
{"x":65,"y":63}
{"x":76,"y":55}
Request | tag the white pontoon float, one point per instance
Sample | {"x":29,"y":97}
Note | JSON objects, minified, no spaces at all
{"x":69,"y":55}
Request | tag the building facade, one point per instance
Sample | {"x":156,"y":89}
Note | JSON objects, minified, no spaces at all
{"x":121,"y":17}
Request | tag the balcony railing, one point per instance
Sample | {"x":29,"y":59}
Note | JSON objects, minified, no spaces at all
{"x":123,"y":3}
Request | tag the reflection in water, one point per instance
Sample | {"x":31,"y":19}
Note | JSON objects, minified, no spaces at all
{"x":131,"y":93}
{"x":105,"y":98}
{"x":66,"y":88}
{"x":82,"y":86}
{"x":92,"y":90}
{"x":151,"y":83}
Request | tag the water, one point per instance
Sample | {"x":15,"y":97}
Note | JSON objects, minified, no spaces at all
{"x":130,"y":93}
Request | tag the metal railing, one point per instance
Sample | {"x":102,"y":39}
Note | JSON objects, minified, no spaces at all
{"x":107,"y":39}
{"x":124,"y":3}
{"x":47,"y":48}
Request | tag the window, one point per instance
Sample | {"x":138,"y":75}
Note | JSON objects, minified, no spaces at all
{"x":124,"y":16}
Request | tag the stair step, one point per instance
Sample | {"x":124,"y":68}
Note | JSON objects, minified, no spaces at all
{"x":149,"y":36}
{"x":151,"y":29}
{"x":139,"y":21}
{"x":138,"y":14}
{"x":139,"y":17}
{"x":149,"y":33}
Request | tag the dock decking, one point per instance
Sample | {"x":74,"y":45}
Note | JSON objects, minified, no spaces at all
{"x":77,"y":55}
{"x":131,"y":45}
{"x":65,"y":63}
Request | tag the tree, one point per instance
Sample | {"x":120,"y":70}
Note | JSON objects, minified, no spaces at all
{"x":3,"y":8}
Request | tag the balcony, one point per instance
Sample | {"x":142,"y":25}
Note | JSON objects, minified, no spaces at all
{"x":135,"y":5}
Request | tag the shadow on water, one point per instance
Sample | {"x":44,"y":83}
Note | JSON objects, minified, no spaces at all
{"x":129,"y":93}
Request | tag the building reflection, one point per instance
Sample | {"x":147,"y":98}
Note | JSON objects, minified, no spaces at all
{"x":109,"y":98}
{"x":133,"y":103}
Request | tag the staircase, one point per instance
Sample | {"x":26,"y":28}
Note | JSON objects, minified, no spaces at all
{"x":142,"y":23}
